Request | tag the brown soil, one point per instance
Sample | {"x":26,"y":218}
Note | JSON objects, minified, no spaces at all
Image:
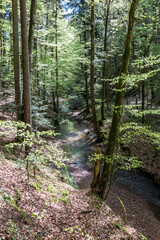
{"x":140,"y":213}
{"x":50,"y":209}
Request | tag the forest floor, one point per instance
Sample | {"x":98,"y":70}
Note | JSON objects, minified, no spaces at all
{"x":47,"y":207}
{"x":141,"y":214}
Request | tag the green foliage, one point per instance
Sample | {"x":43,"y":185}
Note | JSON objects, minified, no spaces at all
{"x":130,"y":131}
{"x":118,"y":225}
{"x":12,"y":231}
{"x":41,"y":152}
{"x":51,"y":188}
{"x":62,"y":196}
{"x":38,"y":215}
{"x":142,"y":237}
{"x":96,"y":156}
{"x":9,"y":199}
{"x":119,"y":161}
{"x":83,"y":232}
{"x":121,"y":202}
{"x":70,"y":178}
{"x":36,"y":185}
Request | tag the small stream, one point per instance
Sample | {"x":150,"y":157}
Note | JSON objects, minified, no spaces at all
{"x":79,"y":142}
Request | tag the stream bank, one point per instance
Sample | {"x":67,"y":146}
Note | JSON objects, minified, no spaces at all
{"x":137,"y":191}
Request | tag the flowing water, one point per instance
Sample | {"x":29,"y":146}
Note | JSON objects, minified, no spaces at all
{"x":79,"y":142}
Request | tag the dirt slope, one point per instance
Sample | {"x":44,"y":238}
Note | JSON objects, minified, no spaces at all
{"x":46,"y":208}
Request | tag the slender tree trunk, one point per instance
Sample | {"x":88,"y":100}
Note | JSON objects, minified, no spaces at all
{"x":146,"y":54}
{"x":147,"y":95}
{"x":85,"y":66}
{"x":152,"y":92}
{"x":117,"y":113}
{"x":26,"y":73}
{"x":143,"y":100}
{"x":37,"y":91}
{"x":31,"y":29}
{"x":104,"y":63}
{"x":17,"y":82}
{"x":95,"y":122}
{"x":85,"y":55}
{"x":57,"y":70}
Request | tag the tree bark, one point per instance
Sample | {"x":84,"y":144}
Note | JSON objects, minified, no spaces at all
{"x":25,"y":63}
{"x":85,"y":55}
{"x":95,"y":122}
{"x":31,"y":29}
{"x":57,"y":70}
{"x":17,"y":82}
{"x":104,"y":63}
{"x":117,"y":113}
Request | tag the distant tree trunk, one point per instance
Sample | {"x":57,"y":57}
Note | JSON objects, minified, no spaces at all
{"x":117,"y":113}
{"x":107,"y":95}
{"x":17,"y":82}
{"x":146,"y":54}
{"x":85,"y":55}
{"x":147,"y":95}
{"x":143,"y":99}
{"x":116,"y":65}
{"x":57,"y":70}
{"x":37,"y":87}
{"x":26,"y":73}
{"x":136,"y":98}
{"x":31,"y":29}
{"x":152,"y":92}
{"x":95,"y":122}
{"x":104,"y":63}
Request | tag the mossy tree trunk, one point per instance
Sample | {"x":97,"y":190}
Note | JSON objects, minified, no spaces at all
{"x":117,"y":113}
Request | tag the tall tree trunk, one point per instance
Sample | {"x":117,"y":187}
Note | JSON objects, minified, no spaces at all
{"x":85,"y":69}
{"x":104,"y":63}
{"x":26,"y":73}
{"x":95,"y":122}
{"x":117,"y":113}
{"x":17,"y":82}
{"x":85,"y":55}
{"x":37,"y":87}
{"x":57,"y":72}
{"x":152,"y":92}
{"x":31,"y":29}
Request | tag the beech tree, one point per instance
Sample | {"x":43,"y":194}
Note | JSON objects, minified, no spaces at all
{"x":17,"y":82}
{"x":84,"y":5}
{"x":95,"y":122}
{"x":104,"y":63}
{"x":117,"y":113}
{"x":31,"y":29}
{"x":25,"y":64}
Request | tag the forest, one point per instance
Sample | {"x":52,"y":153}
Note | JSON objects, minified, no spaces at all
{"x":80,"y":119}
